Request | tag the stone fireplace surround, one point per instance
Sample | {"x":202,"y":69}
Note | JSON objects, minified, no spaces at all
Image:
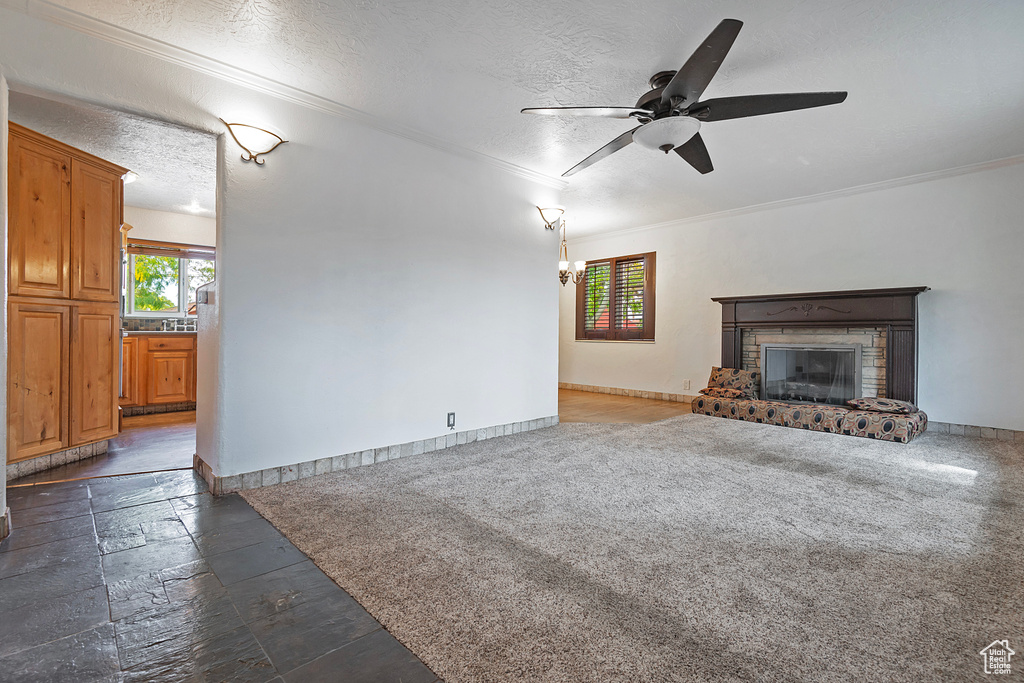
{"x":883,"y":321}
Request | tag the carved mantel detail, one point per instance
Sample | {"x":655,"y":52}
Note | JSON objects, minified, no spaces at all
{"x":895,"y":309}
{"x":807,"y":308}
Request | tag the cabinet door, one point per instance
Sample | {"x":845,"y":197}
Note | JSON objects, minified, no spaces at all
{"x":129,"y":371}
{"x":95,"y":357}
{"x":39,"y":252}
{"x":95,"y":232}
{"x":194,"y":363}
{"x":168,"y":376}
{"x":37,"y":379}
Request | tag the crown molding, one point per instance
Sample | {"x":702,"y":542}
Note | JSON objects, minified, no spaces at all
{"x":76,"y":21}
{"x":813,"y":198}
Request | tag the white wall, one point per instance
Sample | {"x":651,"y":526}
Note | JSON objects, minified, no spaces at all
{"x":374,"y":285}
{"x":366,"y":285}
{"x":165,"y":226}
{"x":960,"y":235}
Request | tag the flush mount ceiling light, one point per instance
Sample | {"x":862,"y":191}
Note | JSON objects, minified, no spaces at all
{"x":255,"y":141}
{"x":551,"y":216}
{"x":130,"y":177}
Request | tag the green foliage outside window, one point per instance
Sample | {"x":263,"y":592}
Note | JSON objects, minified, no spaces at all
{"x":597,"y":284}
{"x":155,"y":278}
{"x":631,"y":294}
{"x":200,"y":272}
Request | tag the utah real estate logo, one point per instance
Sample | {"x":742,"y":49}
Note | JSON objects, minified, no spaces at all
{"x":997,"y":657}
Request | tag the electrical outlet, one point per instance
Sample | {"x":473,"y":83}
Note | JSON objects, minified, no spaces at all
{"x":686,"y":385}
{"x":451,"y":420}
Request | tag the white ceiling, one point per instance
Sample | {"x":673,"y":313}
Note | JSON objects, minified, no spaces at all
{"x":177,"y":167}
{"x":934,"y":84}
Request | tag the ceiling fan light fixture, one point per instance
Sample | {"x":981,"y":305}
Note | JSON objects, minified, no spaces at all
{"x":666,"y":134}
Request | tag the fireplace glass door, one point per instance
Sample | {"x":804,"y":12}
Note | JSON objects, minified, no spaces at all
{"x":811,"y":373}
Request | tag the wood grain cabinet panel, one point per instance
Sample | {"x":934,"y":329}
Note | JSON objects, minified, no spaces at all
{"x":169,"y":376}
{"x":37,"y":379}
{"x":129,"y":372}
{"x":95,"y":354}
{"x":65,"y":211}
{"x":155,"y":343}
{"x":39,"y":247}
{"x":95,"y":232}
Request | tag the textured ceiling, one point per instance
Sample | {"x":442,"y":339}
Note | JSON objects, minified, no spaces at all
{"x":177,"y":167}
{"x":934,"y":84}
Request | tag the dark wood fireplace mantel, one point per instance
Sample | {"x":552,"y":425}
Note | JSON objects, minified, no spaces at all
{"x":894,"y":308}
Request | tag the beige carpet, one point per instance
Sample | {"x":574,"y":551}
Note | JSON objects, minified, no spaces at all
{"x":692,"y":549}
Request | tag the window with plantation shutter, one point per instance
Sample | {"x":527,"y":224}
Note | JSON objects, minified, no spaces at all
{"x":616,"y":299}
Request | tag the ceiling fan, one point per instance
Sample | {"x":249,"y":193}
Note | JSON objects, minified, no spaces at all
{"x":671,"y":113}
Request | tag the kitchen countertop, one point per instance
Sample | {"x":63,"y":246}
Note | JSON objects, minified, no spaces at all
{"x":158,"y":333}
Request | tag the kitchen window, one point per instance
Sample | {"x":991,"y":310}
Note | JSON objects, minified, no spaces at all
{"x":163,"y":278}
{"x":616,"y":299}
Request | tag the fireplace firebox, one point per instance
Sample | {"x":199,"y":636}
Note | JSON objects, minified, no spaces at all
{"x":811,"y":373}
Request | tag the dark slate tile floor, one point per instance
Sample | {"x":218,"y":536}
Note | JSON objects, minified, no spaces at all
{"x":150,"y":578}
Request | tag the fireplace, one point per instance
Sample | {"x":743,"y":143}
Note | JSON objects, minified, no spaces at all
{"x":887,"y":316}
{"x":811,"y":373}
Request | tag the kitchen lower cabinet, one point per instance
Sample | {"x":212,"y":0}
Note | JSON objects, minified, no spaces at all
{"x":158,"y":369}
{"x":129,"y":372}
{"x":168,"y":376}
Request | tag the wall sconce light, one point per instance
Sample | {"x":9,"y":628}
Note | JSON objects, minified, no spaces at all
{"x":580,"y":272}
{"x":551,"y":216}
{"x":252,"y":138}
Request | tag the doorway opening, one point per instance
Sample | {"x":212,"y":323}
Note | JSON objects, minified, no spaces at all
{"x":162,"y":251}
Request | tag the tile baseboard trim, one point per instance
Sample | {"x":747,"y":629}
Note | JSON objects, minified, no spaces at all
{"x":635,"y":393}
{"x":23,"y":468}
{"x":5,"y":524}
{"x":976,"y":431}
{"x":312,"y":468}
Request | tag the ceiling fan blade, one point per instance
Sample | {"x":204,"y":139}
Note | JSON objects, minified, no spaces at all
{"x":691,"y":80}
{"x":609,"y":149}
{"x":725,"y":108}
{"x":606,"y":112}
{"x":696,"y":154}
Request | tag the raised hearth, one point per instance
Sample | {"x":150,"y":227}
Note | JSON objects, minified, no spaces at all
{"x":890,"y":314}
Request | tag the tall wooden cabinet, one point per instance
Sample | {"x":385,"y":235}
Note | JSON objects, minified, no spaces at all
{"x":64,"y":335}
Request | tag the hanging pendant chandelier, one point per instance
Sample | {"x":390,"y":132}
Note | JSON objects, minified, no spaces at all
{"x":580,"y":267}
{"x":552,"y":217}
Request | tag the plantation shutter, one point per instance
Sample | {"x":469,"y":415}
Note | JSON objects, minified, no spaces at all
{"x":616,"y":299}
{"x":629,"y":293}
{"x":597,"y":286}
